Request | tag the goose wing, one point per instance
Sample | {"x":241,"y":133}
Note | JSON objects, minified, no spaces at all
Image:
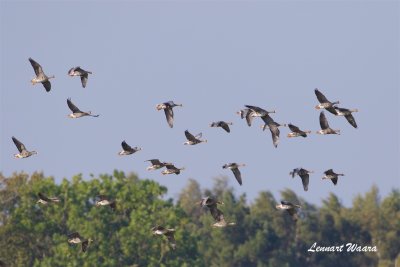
{"x":84,"y":78}
{"x":238,"y":175}
{"x":171,"y":167}
{"x":43,"y":197}
{"x":125,"y":146}
{"x":72,"y":107}
{"x":190,"y":136}
{"x":74,"y":235}
{"x":36,"y":67}
{"x":284,"y":202}
{"x":155,"y":161}
{"x":169,"y":115}
{"x":171,"y":238}
{"x":305,"y":179}
{"x":294,"y":128}
{"x":225,"y":126}
{"x":249,"y":118}
{"x":334,"y":180}
{"x":323,"y":121}
{"x":329,"y":172}
{"x":351,"y":120}
{"x":216,"y":213}
{"x":320,"y":96}
{"x":47,"y":85}
{"x":275,"y":134}
{"x":256,"y":109}
{"x":20,"y":146}
{"x":84,"y":246}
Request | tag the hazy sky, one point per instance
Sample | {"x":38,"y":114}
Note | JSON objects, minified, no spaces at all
{"x":213,"y":57}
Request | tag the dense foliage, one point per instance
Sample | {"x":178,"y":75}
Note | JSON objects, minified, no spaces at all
{"x":33,"y":234}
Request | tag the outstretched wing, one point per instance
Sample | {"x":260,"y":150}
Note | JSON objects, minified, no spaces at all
{"x":84,"y":78}
{"x":169,"y":115}
{"x":238,"y":175}
{"x":36,"y":67}
{"x":20,"y":146}
{"x":334,"y":180}
{"x":320,"y":96}
{"x":216,"y":213}
{"x":225,"y":126}
{"x":329,"y":172}
{"x":249,"y":118}
{"x":47,"y":85}
{"x":323,"y":121}
{"x":190,"y":136}
{"x":72,"y":107}
{"x":155,"y":161}
{"x":171,"y":239}
{"x":256,"y":109}
{"x":85,"y":245}
{"x":351,"y":120}
{"x":125,"y":146}
{"x":74,"y":235}
{"x":294,"y":128}
{"x":305,"y":179}
{"x":43,"y":197}
{"x":275,"y":134}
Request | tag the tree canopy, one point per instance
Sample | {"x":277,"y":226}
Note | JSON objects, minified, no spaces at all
{"x":33,"y":234}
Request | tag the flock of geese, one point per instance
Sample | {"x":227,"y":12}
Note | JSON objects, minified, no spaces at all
{"x":248,"y":113}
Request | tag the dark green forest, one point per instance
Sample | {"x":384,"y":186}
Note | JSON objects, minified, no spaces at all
{"x":33,"y":234}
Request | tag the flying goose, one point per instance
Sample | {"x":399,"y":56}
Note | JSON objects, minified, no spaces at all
{"x":325,"y":129}
{"x":156,"y":164}
{"x":330,"y":174}
{"x":76,"y":113}
{"x":127,"y":149}
{"x":234,"y":167}
{"x":45,"y":200}
{"x":76,"y":238}
{"x":224,"y":125}
{"x":23,"y":153}
{"x":77,"y":71}
{"x":171,"y":169}
{"x":304,"y":175}
{"x":324,"y":103}
{"x":290,"y":207}
{"x":296,"y":132}
{"x":273,"y":127}
{"x":216,"y":213}
{"x":40,"y":76}
{"x":105,"y":201}
{"x":168,"y":109}
{"x":256,"y":112}
{"x":169,"y":233}
{"x":193,"y":140}
{"x":347,"y":114}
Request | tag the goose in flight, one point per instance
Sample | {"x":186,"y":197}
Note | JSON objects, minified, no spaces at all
{"x":168,"y":110}
{"x":234,"y":167}
{"x":168,"y":232}
{"x":324,"y":103}
{"x":273,"y":127}
{"x":40,"y":76}
{"x":325,"y":129}
{"x":304,"y":175}
{"x":171,"y":169}
{"x":256,"y":112}
{"x":290,"y":208}
{"x":76,"y":238}
{"x":103,"y":200}
{"x":77,"y":71}
{"x":156,"y":164}
{"x":330,"y":174}
{"x":216,"y":213}
{"x":23,"y":152}
{"x":45,"y":200}
{"x":347,"y":114}
{"x":224,"y":125}
{"x":193,"y":140}
{"x":296,"y":132}
{"x":76,"y":113}
{"x":127,"y":149}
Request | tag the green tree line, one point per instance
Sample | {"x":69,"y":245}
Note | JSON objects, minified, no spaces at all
{"x":33,"y":234}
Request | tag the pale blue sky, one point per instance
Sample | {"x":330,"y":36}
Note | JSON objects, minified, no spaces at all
{"x":213,"y":57}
